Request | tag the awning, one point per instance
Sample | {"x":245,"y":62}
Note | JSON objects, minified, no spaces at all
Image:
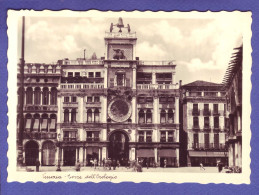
{"x":167,"y":153}
{"x":44,"y":124}
{"x":52,"y":124}
{"x":207,"y":154}
{"x":36,"y":124}
{"x":28,"y":124}
{"x":145,"y":153}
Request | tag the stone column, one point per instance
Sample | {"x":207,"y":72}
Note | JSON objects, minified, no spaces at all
{"x":81,"y":155}
{"x":100,"y":157}
{"x":40,"y":159}
{"x":59,"y":114}
{"x":133,"y":115}
{"x":176,"y":119}
{"x":133,"y":153}
{"x":49,"y":96}
{"x":104,"y":134}
{"x":76,"y":154}
{"x":155,"y":110}
{"x":81,"y":109}
{"x":153,"y":78}
{"x":155,"y":151}
{"x":173,"y":78}
{"x":177,"y":157}
{"x":104,"y":152}
{"x":57,"y":155}
{"x":33,"y":94}
{"x":62,"y":157}
{"x":41,"y":95}
{"x":105,"y":76}
{"x":104,"y":109}
{"x":134,"y":81}
{"x":166,"y":136}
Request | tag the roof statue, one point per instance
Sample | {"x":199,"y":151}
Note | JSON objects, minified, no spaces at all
{"x":119,"y":25}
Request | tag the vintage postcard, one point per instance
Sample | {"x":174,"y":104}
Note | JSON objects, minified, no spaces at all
{"x":129,"y":96}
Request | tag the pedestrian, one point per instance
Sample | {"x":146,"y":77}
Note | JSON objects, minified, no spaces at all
{"x":118,"y":163}
{"x":114,"y":164}
{"x":95,"y":163}
{"x":103,"y":162}
{"x":220,"y":165}
{"x":91,"y":162}
{"x":37,"y":163}
{"x":165,"y":163}
{"x":78,"y":166}
{"x":147,"y":163}
{"x":201,"y":166}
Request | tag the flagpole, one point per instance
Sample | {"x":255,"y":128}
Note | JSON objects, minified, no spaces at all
{"x":21,"y":96}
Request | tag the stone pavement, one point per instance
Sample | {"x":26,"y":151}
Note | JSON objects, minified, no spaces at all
{"x":124,"y":169}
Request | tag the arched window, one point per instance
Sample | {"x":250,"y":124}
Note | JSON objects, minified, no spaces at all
{"x":53,"y":100}
{"x":36,"y":124}
{"x":37,"y":96}
{"x":96,"y":115}
{"x":45,"y":96}
{"x":89,"y":115}
{"x":29,"y":95}
{"x":141,"y":116}
{"x":73,"y":115}
{"x":66,"y":116}
{"x":170,"y":116}
{"x":28,"y":122}
{"x":149,"y":116}
{"x":53,"y":120}
{"x":44,"y":122}
{"x":163,"y":116}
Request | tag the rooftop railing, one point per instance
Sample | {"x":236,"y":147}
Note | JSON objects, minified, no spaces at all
{"x":81,"y":86}
{"x":154,"y":63}
{"x":81,"y":62}
{"x":157,"y":86}
{"x":120,"y":35}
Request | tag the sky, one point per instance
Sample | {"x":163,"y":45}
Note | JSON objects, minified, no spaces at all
{"x":201,"y":48}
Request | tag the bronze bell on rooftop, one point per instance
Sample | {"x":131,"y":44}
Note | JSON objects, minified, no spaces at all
{"x":120,"y":24}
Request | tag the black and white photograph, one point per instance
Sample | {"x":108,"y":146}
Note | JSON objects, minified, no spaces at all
{"x":129,"y":96}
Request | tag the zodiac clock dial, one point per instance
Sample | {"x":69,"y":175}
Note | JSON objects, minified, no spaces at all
{"x":119,"y":110}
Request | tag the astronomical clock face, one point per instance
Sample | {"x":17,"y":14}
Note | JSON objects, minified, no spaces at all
{"x":119,"y":110}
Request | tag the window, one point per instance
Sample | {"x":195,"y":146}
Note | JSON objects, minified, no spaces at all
{"x":66,"y":99}
{"x":89,"y":99}
{"x":170,"y":99}
{"x":170,"y":136}
{"x":216,"y":122}
{"x":66,"y":116}
{"x":29,"y":95}
{"x":73,"y":116}
{"x":90,"y":74}
{"x":170,"y":116}
{"x":89,"y":136}
{"x":77,"y":74}
{"x":163,"y":116}
{"x":141,"y":100}
{"x":163,"y":136}
{"x":206,"y":122}
{"x":162,"y":100}
{"x":28,"y":123}
{"x":74,"y":99}
{"x":44,"y":123}
{"x":53,"y":100}
{"x":195,"y":107}
{"x":96,"y":99}
{"x":149,"y":116}
{"x":53,"y":120}
{"x":36,"y":124}
{"x":70,"y":74}
{"x":195,"y":122}
{"x":216,"y":141}
{"x":149,"y":99}
{"x":96,"y":116}
{"x":89,"y":115}
{"x":195,"y":140}
{"x":120,"y":79}
{"x":149,"y":136}
{"x":98,"y":74}
{"x":206,"y":141}
{"x":45,"y":94}
{"x":70,"y":135}
{"x":141,"y":116}
{"x":215,"y":108}
{"x":141,"y":136}
{"x":37,"y":96}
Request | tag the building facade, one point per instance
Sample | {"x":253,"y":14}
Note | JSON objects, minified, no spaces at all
{"x":233,"y":84}
{"x":204,"y":121}
{"x":116,"y":107}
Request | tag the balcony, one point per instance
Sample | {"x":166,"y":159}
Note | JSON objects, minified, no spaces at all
{"x":120,"y":35}
{"x":31,"y":107}
{"x":208,"y":146}
{"x":40,"y":135}
{"x":207,"y":128}
{"x":70,"y":104}
{"x":80,"y":62}
{"x":92,"y":139}
{"x":195,"y":112}
{"x":206,"y":113}
{"x":157,"y":86}
{"x":70,"y":86}
{"x":70,"y":139}
{"x":156,"y":63}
